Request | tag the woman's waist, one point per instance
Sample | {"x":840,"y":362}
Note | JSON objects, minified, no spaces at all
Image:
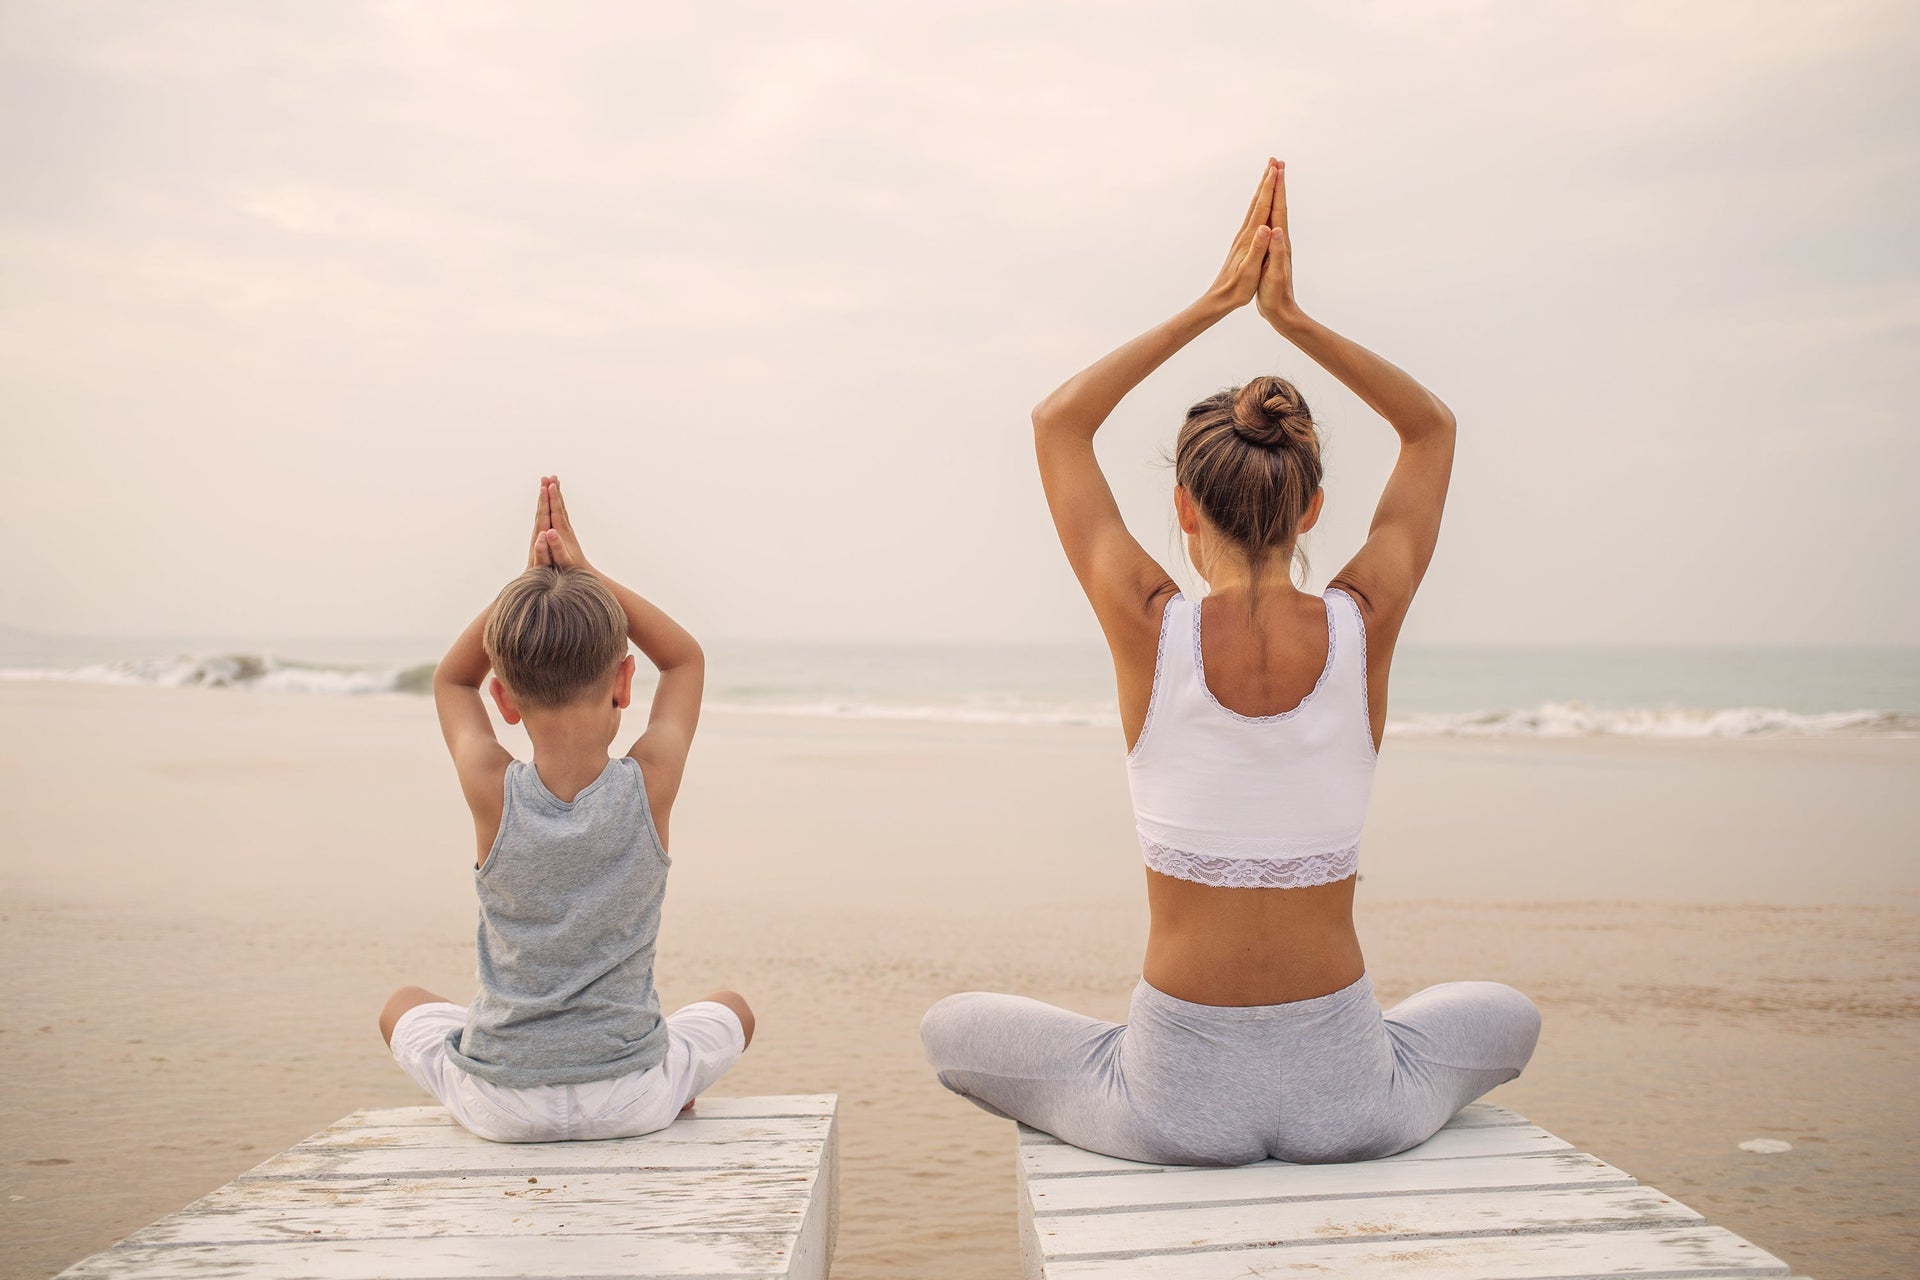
{"x":1151,"y":1003}
{"x":1241,"y":947}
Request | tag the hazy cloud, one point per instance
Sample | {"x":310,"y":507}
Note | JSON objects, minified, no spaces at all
{"x":298,"y":299}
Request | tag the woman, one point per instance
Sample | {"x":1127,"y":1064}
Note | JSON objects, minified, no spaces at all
{"x":1253,"y":1031}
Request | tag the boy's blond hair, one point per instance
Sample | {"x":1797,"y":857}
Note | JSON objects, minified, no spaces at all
{"x":554,"y":634}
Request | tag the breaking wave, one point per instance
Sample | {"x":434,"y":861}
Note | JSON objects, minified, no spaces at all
{"x":267,"y":673}
{"x":241,"y":671}
{"x":1573,"y":720}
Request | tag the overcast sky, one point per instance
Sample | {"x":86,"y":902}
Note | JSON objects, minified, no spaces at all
{"x":297,"y":301}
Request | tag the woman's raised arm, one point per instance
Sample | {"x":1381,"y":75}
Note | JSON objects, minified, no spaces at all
{"x":1387,"y":570}
{"x":1121,"y":580}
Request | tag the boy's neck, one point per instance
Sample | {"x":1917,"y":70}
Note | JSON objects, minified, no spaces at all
{"x":569,"y":750}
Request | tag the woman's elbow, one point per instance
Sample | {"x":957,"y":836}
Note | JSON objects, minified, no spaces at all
{"x":1049,"y":417}
{"x":1434,"y":423}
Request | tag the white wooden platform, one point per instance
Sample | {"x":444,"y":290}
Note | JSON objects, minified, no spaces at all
{"x":744,"y":1188}
{"x":1488,"y":1196}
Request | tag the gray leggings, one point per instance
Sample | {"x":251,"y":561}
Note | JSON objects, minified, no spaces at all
{"x":1328,"y":1079}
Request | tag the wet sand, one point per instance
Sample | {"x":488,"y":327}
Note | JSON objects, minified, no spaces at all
{"x":205,"y":896}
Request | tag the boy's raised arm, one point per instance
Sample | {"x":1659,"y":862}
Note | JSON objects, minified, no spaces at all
{"x":478,"y":757}
{"x":662,"y":748}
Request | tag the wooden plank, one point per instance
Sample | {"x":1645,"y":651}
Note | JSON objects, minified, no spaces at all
{"x":1417,"y":1219}
{"x":633,"y":1154}
{"x":811,"y":1256}
{"x":1053,"y":1158}
{"x":450,"y":1257}
{"x":1474,"y":1115}
{"x":746,"y":1189}
{"x":1489,"y":1196}
{"x":1670,"y":1253}
{"x":673,"y":1201}
{"x":687,"y":1132}
{"x":1277,"y":1182}
{"x":774,"y":1106}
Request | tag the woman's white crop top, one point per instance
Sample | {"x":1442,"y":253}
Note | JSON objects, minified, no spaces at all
{"x":1254,"y":801}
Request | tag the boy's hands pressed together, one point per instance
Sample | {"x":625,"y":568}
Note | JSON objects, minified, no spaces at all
{"x":662,"y":748}
{"x":554,"y":541}
{"x":542,"y":521}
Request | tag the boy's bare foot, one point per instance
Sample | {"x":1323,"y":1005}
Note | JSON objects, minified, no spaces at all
{"x":689,"y":1107}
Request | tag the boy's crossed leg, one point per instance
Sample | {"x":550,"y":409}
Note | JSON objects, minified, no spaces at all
{"x":699,"y":1052}
{"x":397,"y":1005}
{"x":408,"y":997}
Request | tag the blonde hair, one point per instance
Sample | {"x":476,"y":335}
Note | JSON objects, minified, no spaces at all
{"x":555,"y":634}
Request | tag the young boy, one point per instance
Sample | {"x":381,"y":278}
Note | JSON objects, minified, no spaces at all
{"x":565,"y":1038}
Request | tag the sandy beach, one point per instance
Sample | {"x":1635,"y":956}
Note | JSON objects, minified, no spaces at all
{"x":207,"y":895}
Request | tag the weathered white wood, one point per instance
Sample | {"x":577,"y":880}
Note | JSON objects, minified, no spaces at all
{"x":1489,"y":1196}
{"x":811,"y":1254}
{"x":1472,"y":1116}
{"x":746,"y":1188}
{"x":700,"y":1132}
{"x":436,"y":1259}
{"x":1057,"y":1159}
{"x":1476,"y":1114}
{"x":771,"y":1106}
{"x":335,"y":1161}
{"x":1668,"y":1253}
{"x":1411,"y":1218}
{"x":1271,"y":1182}
{"x":663,"y":1200}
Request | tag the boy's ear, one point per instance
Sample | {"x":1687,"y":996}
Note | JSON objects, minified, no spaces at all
{"x":623,"y":683}
{"x":503,"y":698}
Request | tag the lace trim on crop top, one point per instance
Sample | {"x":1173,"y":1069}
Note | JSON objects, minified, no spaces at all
{"x":1252,"y":873}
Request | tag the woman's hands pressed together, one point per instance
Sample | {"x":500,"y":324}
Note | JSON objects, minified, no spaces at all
{"x":1241,"y":275}
{"x":1275,"y":293}
{"x":1259,"y":265}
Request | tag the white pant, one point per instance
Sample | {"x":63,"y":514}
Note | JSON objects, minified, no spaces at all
{"x":703,"y":1040}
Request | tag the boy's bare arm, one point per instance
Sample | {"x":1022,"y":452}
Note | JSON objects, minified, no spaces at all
{"x":478,"y":757}
{"x":662,"y":749}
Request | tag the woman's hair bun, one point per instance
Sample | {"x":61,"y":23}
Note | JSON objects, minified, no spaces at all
{"x":1271,"y":412}
{"x":1250,"y":458}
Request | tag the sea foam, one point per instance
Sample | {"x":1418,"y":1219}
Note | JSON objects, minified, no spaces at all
{"x":1575,"y":720}
{"x":267,"y":673}
{"x":257,"y":671}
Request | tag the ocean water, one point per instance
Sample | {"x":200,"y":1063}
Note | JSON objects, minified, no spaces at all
{"x":1524,"y":692}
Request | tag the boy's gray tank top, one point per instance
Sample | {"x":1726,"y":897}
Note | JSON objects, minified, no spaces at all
{"x":569,"y":913}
